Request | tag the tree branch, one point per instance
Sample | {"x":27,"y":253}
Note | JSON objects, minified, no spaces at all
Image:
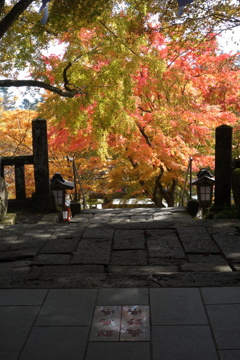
{"x":35,"y":83}
{"x":13,"y":15}
{"x":142,"y":131}
{"x":117,"y":37}
{"x":66,"y":82}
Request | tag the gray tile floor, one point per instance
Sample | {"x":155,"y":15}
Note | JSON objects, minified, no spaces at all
{"x":185,"y":324}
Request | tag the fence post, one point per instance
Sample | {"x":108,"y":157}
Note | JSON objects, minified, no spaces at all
{"x":223,"y":166}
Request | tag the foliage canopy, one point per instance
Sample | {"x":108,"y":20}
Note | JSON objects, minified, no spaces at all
{"x":134,"y":90}
{"x":24,"y":38}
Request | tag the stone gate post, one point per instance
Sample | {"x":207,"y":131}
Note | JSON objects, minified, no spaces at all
{"x":223,"y":166}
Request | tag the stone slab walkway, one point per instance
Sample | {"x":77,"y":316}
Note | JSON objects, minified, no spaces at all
{"x":127,"y":284}
{"x":121,"y":248}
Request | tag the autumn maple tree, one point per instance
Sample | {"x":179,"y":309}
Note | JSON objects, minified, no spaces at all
{"x":160,"y":106}
{"x":135,"y":90}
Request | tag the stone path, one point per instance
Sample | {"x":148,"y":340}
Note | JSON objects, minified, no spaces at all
{"x":168,"y":324}
{"x":121,"y":248}
{"x":140,"y":284}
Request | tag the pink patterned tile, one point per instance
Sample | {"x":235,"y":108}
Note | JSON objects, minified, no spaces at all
{"x":120,"y":323}
{"x":135,"y":323}
{"x":106,"y":323}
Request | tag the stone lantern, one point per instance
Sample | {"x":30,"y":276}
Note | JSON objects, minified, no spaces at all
{"x":204,"y":183}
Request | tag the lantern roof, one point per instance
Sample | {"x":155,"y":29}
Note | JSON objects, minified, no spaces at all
{"x":204,"y":176}
{"x":57,"y":181}
{"x":204,"y":180}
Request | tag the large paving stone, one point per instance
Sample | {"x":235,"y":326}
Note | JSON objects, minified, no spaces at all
{"x":225,"y":320}
{"x":163,"y":215}
{"x":223,"y":229}
{"x":9,"y":355}
{"x":157,"y":224}
{"x":120,"y":219}
{"x":68,"y":307}
{"x":218,"y":295}
{"x":19,"y":254}
{"x":197,"y":279}
{"x":197,"y":240}
{"x":183,"y":342}
{"x":98,"y":233}
{"x":166,"y":261}
{"x":7,"y":237}
{"x":60,"y":245}
{"x":15,"y":324}
{"x":236,"y":266}
{"x":129,"y":239}
{"x":164,"y":243}
{"x":118,"y":351}
{"x":135,"y":296}
{"x":207,"y":258}
{"x":22,"y":297}
{"x":60,"y":271}
{"x":24,"y":246}
{"x":93,"y":251}
{"x":100,"y":220}
{"x":82,"y":216}
{"x":177,"y":307}
{"x":141,"y":218}
{"x":66,"y":342}
{"x":129,"y":257}
{"x":229,"y":245}
{"x":15,"y":268}
{"x":38,"y":233}
{"x":207,"y":267}
{"x":143,"y":270}
{"x":53,"y":259}
{"x":229,"y":354}
{"x":18,"y":264}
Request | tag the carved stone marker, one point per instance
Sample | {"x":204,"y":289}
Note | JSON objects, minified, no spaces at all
{"x":42,"y":199}
{"x":40,"y":156}
{"x":223,"y":166}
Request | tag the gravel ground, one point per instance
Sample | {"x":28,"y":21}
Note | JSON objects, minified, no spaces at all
{"x":28,"y":217}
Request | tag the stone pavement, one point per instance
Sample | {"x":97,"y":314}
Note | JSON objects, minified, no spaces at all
{"x":180,"y":324}
{"x":126,"y":284}
{"x":121,"y":248}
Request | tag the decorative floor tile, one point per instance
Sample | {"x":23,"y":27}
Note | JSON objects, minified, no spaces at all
{"x":135,"y":323}
{"x":121,"y":323}
{"x":106,"y":323}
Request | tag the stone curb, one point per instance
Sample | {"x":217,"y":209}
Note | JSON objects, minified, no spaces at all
{"x":52,"y":218}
